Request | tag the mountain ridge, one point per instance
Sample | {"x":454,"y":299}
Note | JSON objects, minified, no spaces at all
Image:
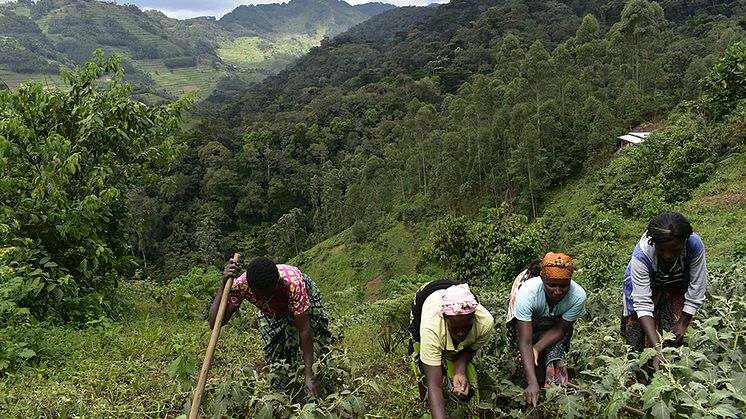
{"x":164,"y":55}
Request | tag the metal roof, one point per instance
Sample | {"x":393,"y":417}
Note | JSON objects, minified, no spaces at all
{"x":634,"y":137}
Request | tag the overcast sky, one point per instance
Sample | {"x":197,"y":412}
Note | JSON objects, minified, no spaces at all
{"x":184,"y":9}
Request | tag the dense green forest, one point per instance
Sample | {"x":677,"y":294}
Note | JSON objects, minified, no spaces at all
{"x":462,"y":140}
{"x":471,"y":104}
{"x":166,"y":57}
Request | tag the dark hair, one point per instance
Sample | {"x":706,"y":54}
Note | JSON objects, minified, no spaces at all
{"x":534,"y":268}
{"x":262,"y":274}
{"x":668,"y":226}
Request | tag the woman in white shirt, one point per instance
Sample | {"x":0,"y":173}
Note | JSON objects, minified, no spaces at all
{"x":664,"y":284}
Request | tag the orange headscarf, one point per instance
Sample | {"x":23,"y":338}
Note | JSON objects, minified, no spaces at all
{"x":557,"y":266}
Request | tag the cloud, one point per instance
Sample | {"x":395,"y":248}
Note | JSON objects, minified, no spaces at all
{"x":189,"y":13}
{"x":180,"y":9}
{"x":185,"y":9}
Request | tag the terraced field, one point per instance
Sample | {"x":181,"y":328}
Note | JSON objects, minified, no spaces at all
{"x":272,"y":55}
{"x":178,"y":81}
{"x":13,"y":80}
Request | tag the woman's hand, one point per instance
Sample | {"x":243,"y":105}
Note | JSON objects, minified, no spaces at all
{"x":679,"y":330}
{"x":531,"y":394}
{"x":232,"y":270}
{"x":460,"y":385}
{"x":313,"y":386}
{"x":656,"y":362}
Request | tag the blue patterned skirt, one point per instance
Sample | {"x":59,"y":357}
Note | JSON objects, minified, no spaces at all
{"x":280,"y":335}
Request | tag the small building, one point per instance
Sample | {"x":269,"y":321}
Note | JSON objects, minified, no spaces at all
{"x":632,"y":138}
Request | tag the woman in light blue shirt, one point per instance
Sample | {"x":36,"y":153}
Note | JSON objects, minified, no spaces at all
{"x":541,"y":314}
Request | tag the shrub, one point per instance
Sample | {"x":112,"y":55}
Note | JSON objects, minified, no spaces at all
{"x":599,"y":257}
{"x":663,"y":170}
{"x":68,"y":159}
{"x":180,"y":62}
{"x":191,"y":294}
{"x":725,"y":85}
{"x":485,"y":252}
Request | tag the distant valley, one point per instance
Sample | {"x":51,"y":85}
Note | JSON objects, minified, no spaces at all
{"x":164,"y":57}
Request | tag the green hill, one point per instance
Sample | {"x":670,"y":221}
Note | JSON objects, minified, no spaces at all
{"x":145,"y":362}
{"x":310,"y":17}
{"x":165,"y":57}
{"x":443,"y":110}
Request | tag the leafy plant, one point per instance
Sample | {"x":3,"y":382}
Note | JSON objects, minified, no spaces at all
{"x":485,"y":252}
{"x":19,"y":334}
{"x":191,"y":294}
{"x":249,"y":393}
{"x":391,"y":316}
{"x":183,"y":367}
{"x":68,"y":158}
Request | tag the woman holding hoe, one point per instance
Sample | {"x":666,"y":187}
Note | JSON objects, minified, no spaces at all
{"x":541,"y":314}
{"x":664,"y":284}
{"x":291,"y":316}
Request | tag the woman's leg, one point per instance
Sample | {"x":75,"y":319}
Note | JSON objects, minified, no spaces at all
{"x":556,"y":366}
{"x":668,"y":311}
{"x":540,"y":326}
{"x":280,"y":339}
{"x":633,"y":333}
{"x":319,"y":319}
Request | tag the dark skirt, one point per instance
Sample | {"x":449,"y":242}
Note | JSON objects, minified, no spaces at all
{"x":668,"y":304}
{"x":280,"y":335}
{"x":552,"y":367}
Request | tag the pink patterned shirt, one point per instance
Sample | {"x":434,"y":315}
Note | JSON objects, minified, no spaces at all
{"x":290,"y":294}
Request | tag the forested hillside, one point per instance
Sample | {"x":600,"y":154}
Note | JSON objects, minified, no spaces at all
{"x":166,"y":57}
{"x":430,"y":111}
{"x":457,"y":141}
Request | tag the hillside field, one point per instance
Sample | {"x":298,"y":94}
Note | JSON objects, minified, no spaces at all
{"x":144,"y":363}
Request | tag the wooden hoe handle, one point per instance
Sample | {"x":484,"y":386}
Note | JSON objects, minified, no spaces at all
{"x":194,"y":412}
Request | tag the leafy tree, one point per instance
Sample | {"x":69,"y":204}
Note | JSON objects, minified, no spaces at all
{"x":509,"y":56}
{"x":489,"y":251}
{"x":638,"y":30}
{"x":68,"y":158}
{"x":588,"y":31}
{"x":628,"y":105}
{"x":725,"y":86}
{"x":207,"y":237}
{"x":537,"y":70}
{"x":286,"y":237}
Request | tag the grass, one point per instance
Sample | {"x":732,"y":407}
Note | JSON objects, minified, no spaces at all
{"x":120,"y":370}
{"x":339,"y":264}
{"x":717,"y":209}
